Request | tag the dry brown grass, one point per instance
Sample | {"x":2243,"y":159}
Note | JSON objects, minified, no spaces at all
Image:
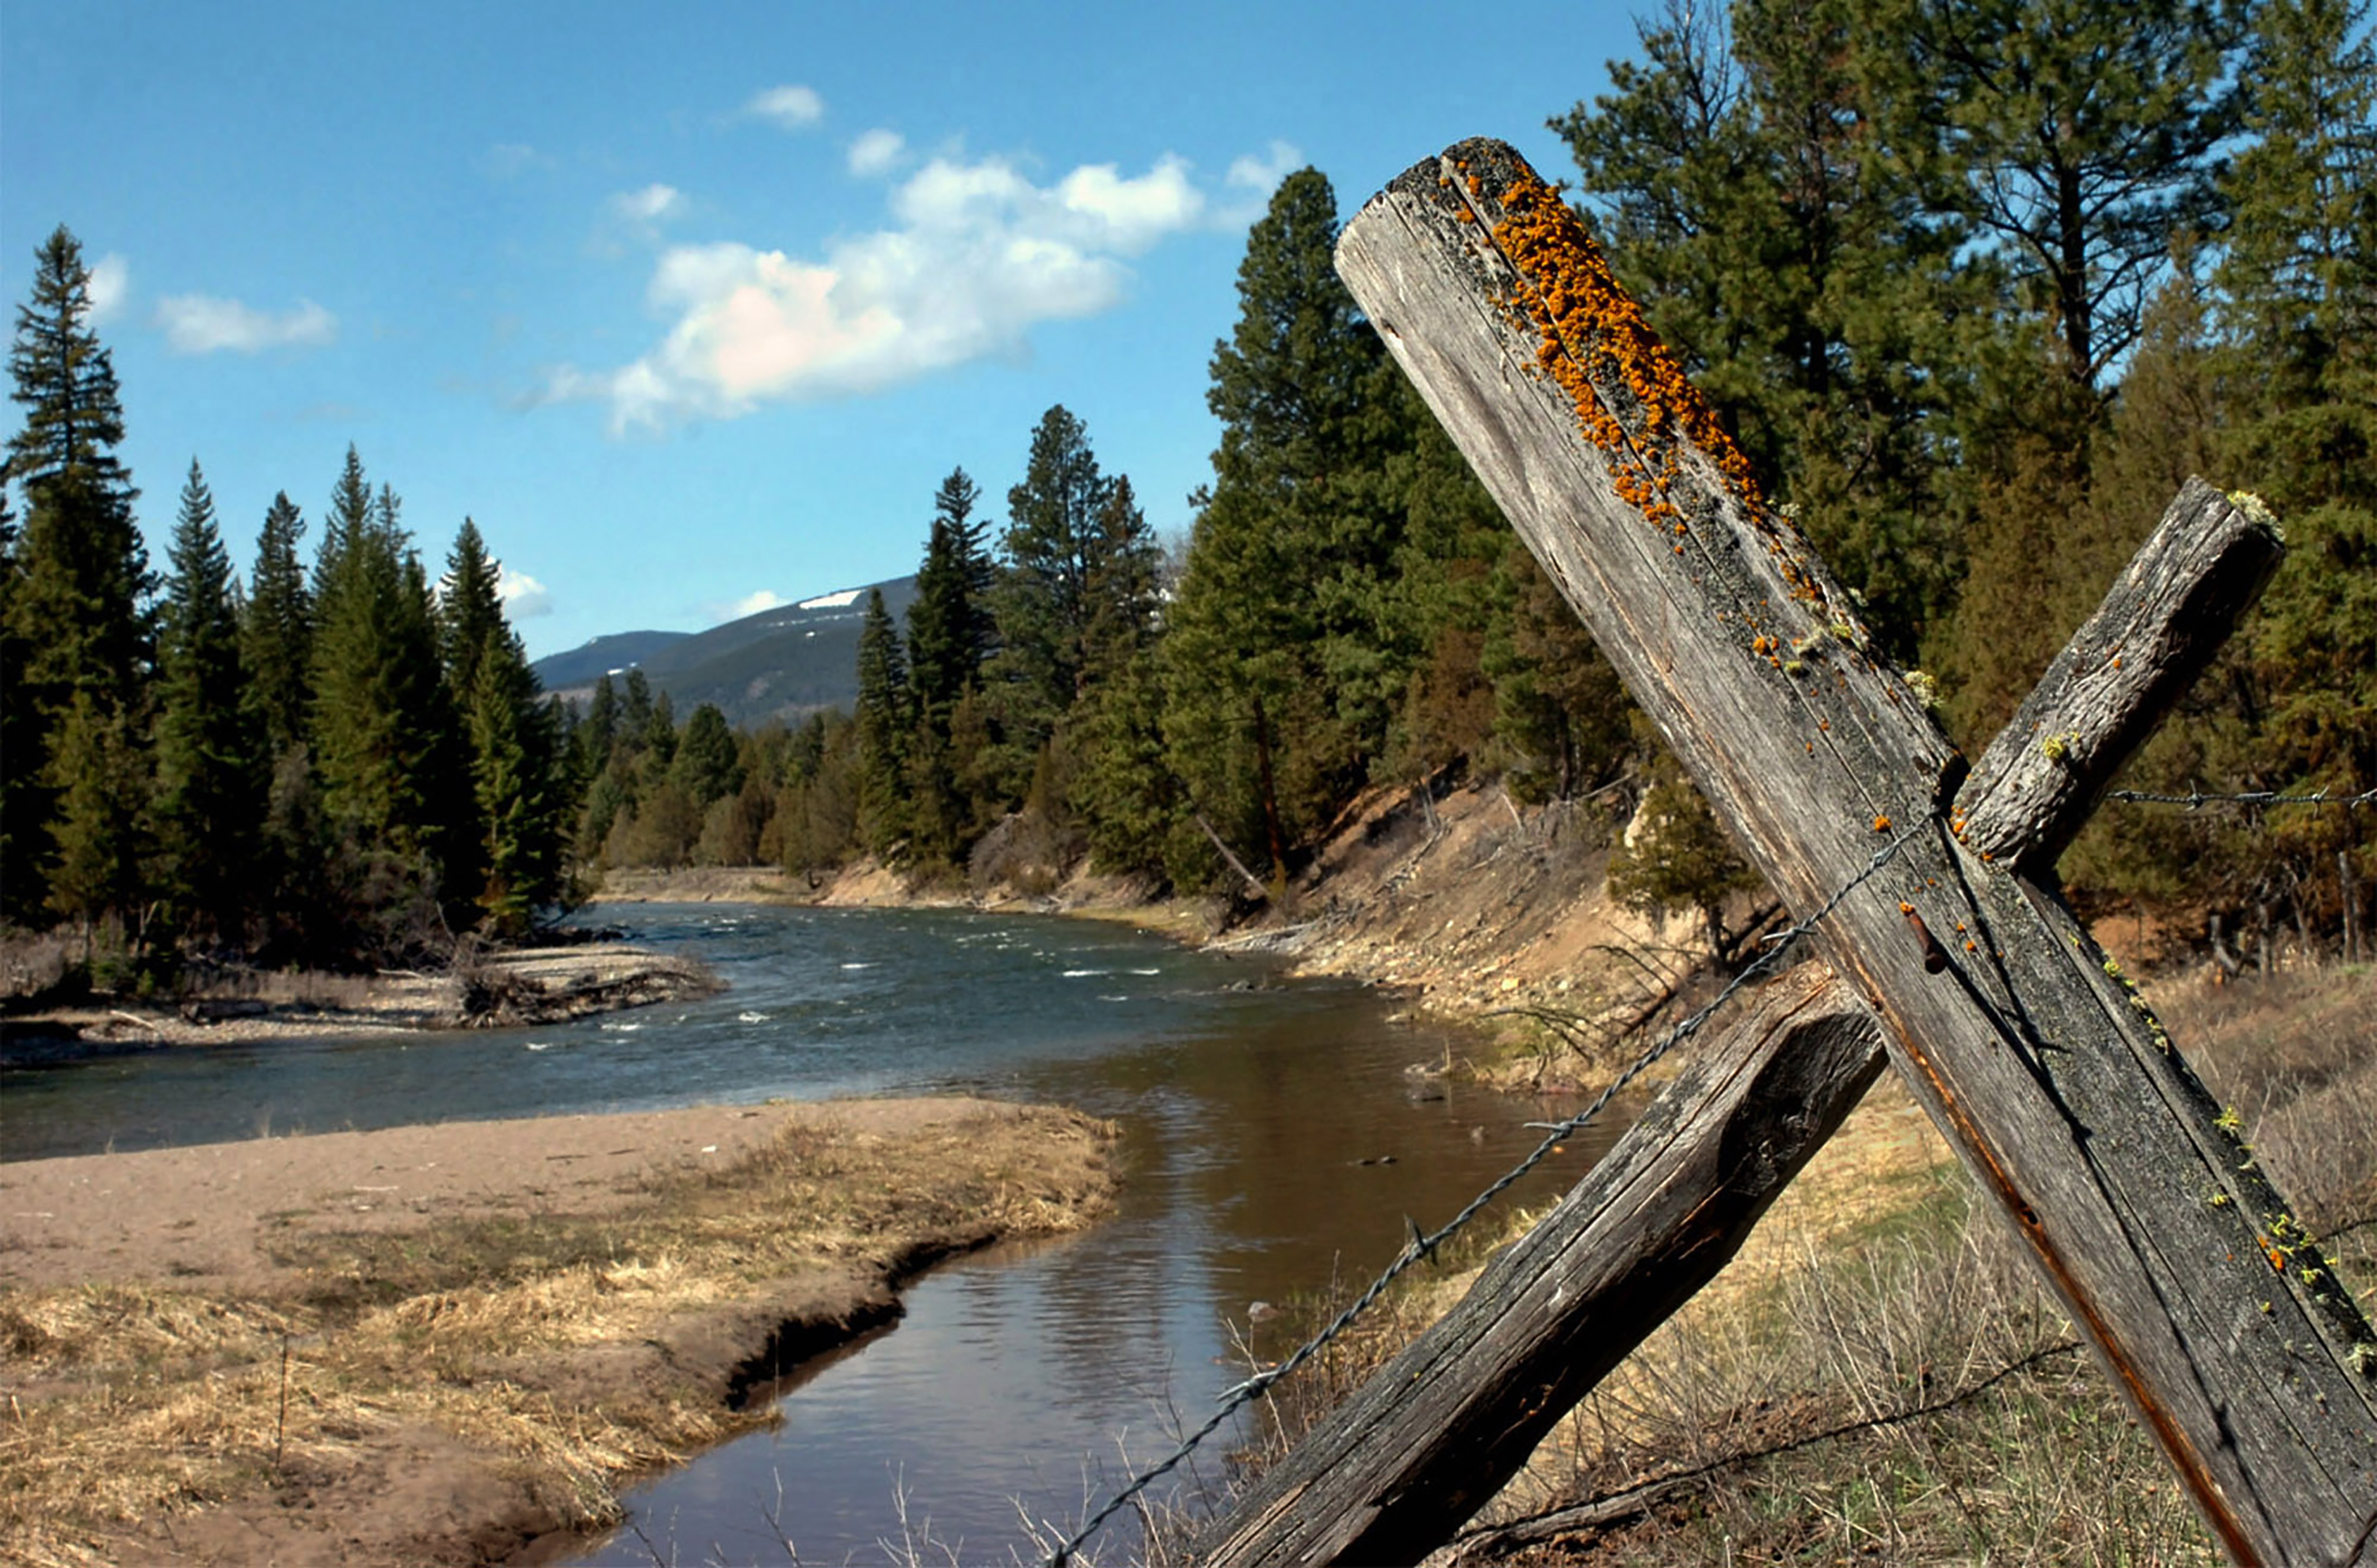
{"x":570,"y":1350}
{"x":1879,"y":1378}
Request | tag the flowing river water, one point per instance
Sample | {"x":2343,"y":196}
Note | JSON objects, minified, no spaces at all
{"x":1273,"y":1143}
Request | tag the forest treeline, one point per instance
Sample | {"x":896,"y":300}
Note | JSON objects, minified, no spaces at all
{"x":1974,"y":284}
{"x":329,"y":764}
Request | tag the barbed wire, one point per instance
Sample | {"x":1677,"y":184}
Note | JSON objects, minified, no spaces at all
{"x":1421,"y":1246}
{"x":2197,"y":799}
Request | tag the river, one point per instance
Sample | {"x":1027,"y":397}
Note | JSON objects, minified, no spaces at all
{"x":1273,"y":1142}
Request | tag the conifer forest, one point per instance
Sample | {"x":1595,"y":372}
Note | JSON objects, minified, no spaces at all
{"x":1973,"y":286}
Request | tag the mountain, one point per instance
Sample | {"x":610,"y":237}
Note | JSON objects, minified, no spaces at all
{"x":782,"y":664}
{"x":613,"y":654}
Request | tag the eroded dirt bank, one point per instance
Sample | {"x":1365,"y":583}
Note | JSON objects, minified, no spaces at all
{"x":439,"y":1344}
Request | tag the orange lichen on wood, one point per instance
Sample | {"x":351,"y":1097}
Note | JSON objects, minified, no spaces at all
{"x":1577,"y":306}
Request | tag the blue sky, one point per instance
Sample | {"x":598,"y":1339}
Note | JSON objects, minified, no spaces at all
{"x":689,"y":306}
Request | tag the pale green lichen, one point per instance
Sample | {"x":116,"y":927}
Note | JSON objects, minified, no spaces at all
{"x":2228,"y":1121}
{"x":2056,"y":747}
{"x":2256,"y":510}
{"x":1925,"y":688}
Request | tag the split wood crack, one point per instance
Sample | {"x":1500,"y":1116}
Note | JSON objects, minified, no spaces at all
{"x":2209,"y":1306}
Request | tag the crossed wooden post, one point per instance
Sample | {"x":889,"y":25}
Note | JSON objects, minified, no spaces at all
{"x":2204,"y":1299}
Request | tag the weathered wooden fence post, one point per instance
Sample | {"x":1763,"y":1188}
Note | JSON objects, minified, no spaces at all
{"x":1413,"y":1454}
{"x":2202,"y":1296}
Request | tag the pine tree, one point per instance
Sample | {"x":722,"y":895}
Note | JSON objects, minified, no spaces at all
{"x":99,"y":776}
{"x":1121,"y":785}
{"x":1041,"y":600}
{"x":950,"y":635}
{"x":1678,"y":857}
{"x":2078,"y":142}
{"x":636,"y":709}
{"x":2298,"y":305}
{"x":1560,"y":712}
{"x":519,"y":787}
{"x":278,"y":627}
{"x":79,"y":568}
{"x":384,"y":728}
{"x":1280,"y":681}
{"x":708,"y":764}
{"x":949,"y":626}
{"x":470,"y":610}
{"x":884,"y":725}
{"x":211,"y":770}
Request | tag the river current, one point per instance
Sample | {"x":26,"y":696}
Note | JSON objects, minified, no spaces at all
{"x":1274,"y":1143}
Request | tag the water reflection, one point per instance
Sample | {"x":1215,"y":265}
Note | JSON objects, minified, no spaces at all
{"x":1263,"y":1158}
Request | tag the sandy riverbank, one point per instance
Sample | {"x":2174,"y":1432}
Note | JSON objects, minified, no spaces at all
{"x":438,"y":1344}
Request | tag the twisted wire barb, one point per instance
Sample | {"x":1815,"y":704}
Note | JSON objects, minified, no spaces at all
{"x":1420,"y":1246}
{"x":2195,"y":799}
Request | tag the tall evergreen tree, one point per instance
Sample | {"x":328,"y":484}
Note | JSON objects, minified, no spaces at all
{"x":79,"y":568}
{"x":1122,"y":786}
{"x":951,"y":634}
{"x":707,"y":765}
{"x":278,"y":627}
{"x":1278,"y":692}
{"x":470,"y":610}
{"x":519,"y":787}
{"x":884,"y":725}
{"x":382,"y":723}
{"x":635,"y":708}
{"x":950,"y":625}
{"x":212,"y":769}
{"x":1042,"y":598}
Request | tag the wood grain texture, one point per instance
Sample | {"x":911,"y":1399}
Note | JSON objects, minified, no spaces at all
{"x":2241,"y":1351}
{"x":1423,"y":1445}
{"x":2159,"y":626}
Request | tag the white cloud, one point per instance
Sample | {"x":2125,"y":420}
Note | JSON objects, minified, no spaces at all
{"x":523,"y":595}
{"x":978,"y":256}
{"x":1263,"y":175}
{"x":749,"y":605}
{"x":111,"y":281}
{"x":876,"y":151}
{"x":202,"y":324}
{"x":645,"y":210}
{"x":792,"y":107}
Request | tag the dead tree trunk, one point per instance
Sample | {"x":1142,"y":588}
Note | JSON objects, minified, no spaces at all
{"x":2204,"y":1299}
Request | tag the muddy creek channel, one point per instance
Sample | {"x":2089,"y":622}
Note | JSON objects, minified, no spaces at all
{"x":1274,"y":1140}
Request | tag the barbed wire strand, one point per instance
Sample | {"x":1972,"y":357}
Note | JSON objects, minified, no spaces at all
{"x":2197,"y":799}
{"x":1420,"y":1246}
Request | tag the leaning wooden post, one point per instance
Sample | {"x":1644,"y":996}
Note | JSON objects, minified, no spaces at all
{"x":1435,"y":1433}
{"x":1397,"y":1469}
{"x":2202,"y":1295}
